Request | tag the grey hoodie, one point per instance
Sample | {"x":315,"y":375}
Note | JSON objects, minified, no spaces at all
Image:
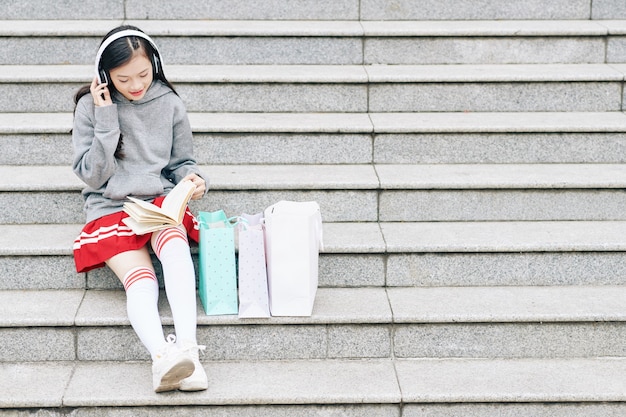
{"x":157,"y":146}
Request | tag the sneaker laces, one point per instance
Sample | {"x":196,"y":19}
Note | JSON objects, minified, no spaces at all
{"x":193,"y":348}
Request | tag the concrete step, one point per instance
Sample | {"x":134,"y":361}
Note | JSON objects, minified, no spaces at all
{"x":351,"y":88}
{"x":320,"y":10}
{"x":327,"y":42}
{"x":367,"y":387}
{"x":374,"y":255}
{"x":357,"y":323}
{"x":358,"y":193}
{"x":355,"y":138}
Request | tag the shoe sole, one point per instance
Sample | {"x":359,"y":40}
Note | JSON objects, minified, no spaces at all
{"x":172,"y":379}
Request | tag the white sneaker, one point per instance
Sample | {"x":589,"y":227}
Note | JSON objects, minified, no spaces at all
{"x":198,"y":380}
{"x":170,"y":366}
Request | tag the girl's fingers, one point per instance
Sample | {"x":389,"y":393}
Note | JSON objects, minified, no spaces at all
{"x":100,"y":93}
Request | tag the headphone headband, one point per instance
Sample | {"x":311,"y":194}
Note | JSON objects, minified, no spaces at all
{"x":122,"y":34}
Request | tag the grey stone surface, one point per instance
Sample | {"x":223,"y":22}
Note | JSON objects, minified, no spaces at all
{"x":349,"y":74}
{"x":41,"y":207}
{"x":350,"y":410}
{"x":525,"y":304}
{"x":35,"y":123}
{"x":28,"y":50}
{"x":615,"y":27}
{"x":509,"y":122}
{"x":34,"y":384}
{"x":351,"y":306}
{"x":478,"y":269}
{"x":240,"y":383}
{"x":292,"y":177}
{"x":524,"y":380}
{"x":236,"y":50}
{"x":353,"y":238}
{"x":470,"y":9}
{"x":485,"y":28}
{"x":519,"y":340}
{"x":335,"y":206}
{"x":108,"y":308}
{"x":280,"y":122}
{"x":72,"y":9}
{"x":493,"y":73}
{"x":261,"y":28}
{"x":262,"y":343}
{"x":52,"y":149}
{"x":483,"y":50}
{"x":52,"y":97}
{"x":39,"y":178}
{"x":38,"y":344}
{"x":493,"y":97}
{"x":608,"y":9}
{"x":500,"y":148}
{"x":236,"y":9}
{"x":282,"y":148}
{"x":359,"y":341}
{"x":501,"y":176}
{"x":20,"y":308}
{"x":351,"y":270}
{"x":274,"y":97}
{"x":39,"y":273}
{"x":511,"y":410}
{"x":41,"y":239}
{"x":110,"y":344}
{"x":501,"y":205}
{"x":104,"y":278}
{"x":616,"y":50}
{"x":544,"y":236}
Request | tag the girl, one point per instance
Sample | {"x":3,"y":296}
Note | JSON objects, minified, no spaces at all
{"x":132,"y":137}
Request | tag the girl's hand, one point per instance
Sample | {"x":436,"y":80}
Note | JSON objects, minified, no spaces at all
{"x":100,"y":93}
{"x":199,"y":183}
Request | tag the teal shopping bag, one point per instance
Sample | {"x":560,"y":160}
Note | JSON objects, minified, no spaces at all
{"x":218,"y":274}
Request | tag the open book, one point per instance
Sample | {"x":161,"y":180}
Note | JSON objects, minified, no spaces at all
{"x":146,"y":217}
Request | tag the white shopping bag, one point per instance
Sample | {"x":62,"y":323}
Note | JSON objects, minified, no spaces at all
{"x":293,"y":239}
{"x":253,"y":295}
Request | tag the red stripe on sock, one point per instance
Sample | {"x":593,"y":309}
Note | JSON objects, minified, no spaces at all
{"x":138,"y":274}
{"x":165,"y":236}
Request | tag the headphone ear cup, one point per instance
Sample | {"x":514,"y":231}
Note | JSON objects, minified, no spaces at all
{"x":103,"y":77}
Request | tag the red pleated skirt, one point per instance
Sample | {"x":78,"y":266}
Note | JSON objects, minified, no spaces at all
{"x":108,"y":236}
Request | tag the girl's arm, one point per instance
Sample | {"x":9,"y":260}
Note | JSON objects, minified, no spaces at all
{"x":95,"y":136}
{"x":182,"y":165}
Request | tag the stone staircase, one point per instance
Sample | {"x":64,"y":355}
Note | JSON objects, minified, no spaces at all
{"x":469,"y":158}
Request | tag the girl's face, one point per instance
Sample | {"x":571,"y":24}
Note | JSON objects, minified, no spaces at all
{"x":133,"y":79}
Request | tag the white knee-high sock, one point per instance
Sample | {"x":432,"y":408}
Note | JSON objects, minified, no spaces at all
{"x":172,"y":248}
{"x":142,"y":297}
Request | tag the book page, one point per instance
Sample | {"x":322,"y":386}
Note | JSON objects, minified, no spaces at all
{"x":176,"y":200}
{"x":145,"y":216}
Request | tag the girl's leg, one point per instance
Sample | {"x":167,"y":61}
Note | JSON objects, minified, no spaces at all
{"x":172,"y":248}
{"x":170,"y":365}
{"x":135,"y":271}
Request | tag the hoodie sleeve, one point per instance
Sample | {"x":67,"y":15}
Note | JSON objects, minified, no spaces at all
{"x":95,"y":136}
{"x":182,"y":162}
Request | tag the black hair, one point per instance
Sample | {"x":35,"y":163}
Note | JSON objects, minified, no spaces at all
{"x":118,"y":53}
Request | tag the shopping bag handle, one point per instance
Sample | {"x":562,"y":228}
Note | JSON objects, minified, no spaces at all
{"x":222,"y":223}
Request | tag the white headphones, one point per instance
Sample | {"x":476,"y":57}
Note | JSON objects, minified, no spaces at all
{"x":156,"y":57}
